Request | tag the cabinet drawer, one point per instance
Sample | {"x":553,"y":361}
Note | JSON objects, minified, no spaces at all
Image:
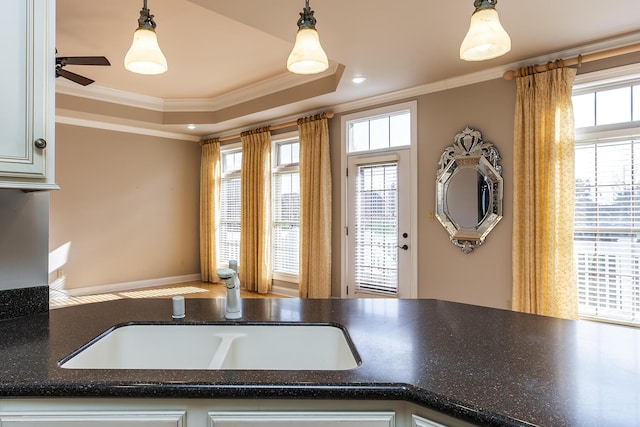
{"x":302,"y":419}
{"x":94,"y":418}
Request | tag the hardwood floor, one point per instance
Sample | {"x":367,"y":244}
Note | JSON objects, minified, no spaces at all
{"x":187,"y":289}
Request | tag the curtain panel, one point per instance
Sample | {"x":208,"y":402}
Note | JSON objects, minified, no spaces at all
{"x":315,"y":208}
{"x":544,"y":275}
{"x":210,"y":174}
{"x":255,"y":223}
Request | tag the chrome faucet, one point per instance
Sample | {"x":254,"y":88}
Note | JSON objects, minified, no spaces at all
{"x":230,"y":278}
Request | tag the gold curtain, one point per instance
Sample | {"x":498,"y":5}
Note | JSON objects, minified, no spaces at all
{"x":315,"y":208}
{"x":209,"y":211}
{"x":544,"y":278}
{"x":255,"y":222}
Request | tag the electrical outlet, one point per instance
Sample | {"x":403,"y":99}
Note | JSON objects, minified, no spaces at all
{"x":430,"y":216}
{"x":60,"y":273}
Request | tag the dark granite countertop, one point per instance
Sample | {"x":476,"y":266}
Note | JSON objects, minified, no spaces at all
{"x":487,"y":366}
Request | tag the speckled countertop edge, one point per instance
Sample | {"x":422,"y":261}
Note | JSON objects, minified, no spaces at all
{"x":401,"y":392}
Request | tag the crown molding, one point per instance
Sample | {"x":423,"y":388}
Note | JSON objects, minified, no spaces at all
{"x":139,"y":130}
{"x":247,"y":93}
{"x":105,"y":94}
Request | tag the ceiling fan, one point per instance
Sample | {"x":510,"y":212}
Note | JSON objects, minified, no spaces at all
{"x":63,"y":61}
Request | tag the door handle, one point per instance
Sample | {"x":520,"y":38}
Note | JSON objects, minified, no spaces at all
{"x":404,"y":247}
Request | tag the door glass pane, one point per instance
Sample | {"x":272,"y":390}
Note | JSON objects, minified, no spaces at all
{"x":359,"y":138}
{"x":376,"y":228}
{"x":400,"y":130}
{"x":379,"y":137}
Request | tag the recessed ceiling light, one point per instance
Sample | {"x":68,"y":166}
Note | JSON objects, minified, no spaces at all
{"x":191,"y":126}
{"x":358,"y":79}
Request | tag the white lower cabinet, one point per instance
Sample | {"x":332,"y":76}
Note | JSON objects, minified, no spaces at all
{"x":169,"y":412}
{"x":302,"y":419}
{"x":93,"y":418}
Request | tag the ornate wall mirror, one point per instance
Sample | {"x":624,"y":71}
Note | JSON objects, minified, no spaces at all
{"x":469,"y":189}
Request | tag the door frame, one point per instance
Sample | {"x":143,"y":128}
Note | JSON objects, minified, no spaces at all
{"x":412,"y":106}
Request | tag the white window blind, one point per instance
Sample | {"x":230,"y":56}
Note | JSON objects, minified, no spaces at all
{"x":376,"y":228}
{"x":607,"y":210}
{"x":286,"y":209}
{"x":286,"y":222}
{"x":607,"y":229}
{"x":228,"y":233}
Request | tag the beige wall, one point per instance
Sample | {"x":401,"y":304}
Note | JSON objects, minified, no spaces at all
{"x":482,"y":277}
{"x":128,"y":204}
{"x":444,"y":272}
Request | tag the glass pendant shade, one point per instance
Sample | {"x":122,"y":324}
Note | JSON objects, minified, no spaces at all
{"x":307,"y":56}
{"x":486,"y":38}
{"x":145,"y":56}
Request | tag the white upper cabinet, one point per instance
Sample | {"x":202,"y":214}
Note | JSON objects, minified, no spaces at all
{"x":27,"y":84}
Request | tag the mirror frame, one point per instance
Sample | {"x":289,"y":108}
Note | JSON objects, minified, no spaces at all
{"x":470,"y":151}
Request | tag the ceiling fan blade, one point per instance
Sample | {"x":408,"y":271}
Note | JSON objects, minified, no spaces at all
{"x":84,"y":81}
{"x":82,"y":60}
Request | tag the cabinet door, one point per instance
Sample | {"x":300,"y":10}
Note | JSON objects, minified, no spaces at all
{"x":302,"y":419}
{"x":26,"y":78}
{"x":94,"y":418}
{"x":417,"y":421}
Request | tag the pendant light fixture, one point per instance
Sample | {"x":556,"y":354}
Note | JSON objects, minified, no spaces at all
{"x":145,"y":56}
{"x":307,"y":56}
{"x":486,"y":38}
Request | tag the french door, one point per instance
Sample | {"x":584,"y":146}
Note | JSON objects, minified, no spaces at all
{"x":378,"y":231}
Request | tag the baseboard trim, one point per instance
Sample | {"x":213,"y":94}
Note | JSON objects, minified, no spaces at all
{"x":126,"y":286}
{"x":140,"y":284}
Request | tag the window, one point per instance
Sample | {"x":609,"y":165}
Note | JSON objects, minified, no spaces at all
{"x":285,"y":212}
{"x":607,"y":211}
{"x":380,"y":132}
{"x":228,"y":234}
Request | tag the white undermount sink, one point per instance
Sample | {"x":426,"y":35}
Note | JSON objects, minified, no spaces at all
{"x":266,"y":346}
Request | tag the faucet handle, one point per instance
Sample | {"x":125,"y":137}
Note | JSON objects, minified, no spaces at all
{"x":225,"y":273}
{"x":228,"y":276}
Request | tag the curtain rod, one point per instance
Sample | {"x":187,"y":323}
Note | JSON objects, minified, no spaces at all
{"x":580,"y":59}
{"x":328,"y":115}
